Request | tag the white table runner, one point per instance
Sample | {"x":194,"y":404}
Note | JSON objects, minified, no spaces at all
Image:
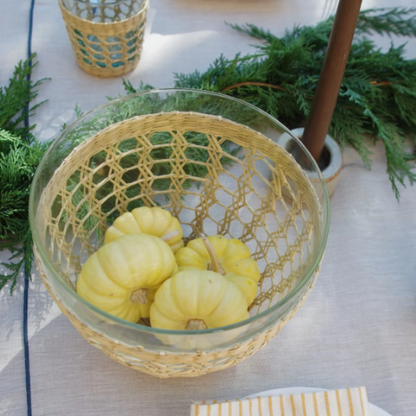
{"x":358,"y":327}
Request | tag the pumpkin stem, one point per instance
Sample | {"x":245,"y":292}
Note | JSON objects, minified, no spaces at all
{"x":139,"y":296}
{"x":194,"y":324}
{"x":170,"y":236}
{"x":215,"y":266}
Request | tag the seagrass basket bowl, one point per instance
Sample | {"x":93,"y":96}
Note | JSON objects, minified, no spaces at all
{"x":106,"y":36}
{"x":214,"y":162}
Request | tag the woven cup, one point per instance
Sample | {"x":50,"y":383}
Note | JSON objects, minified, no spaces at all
{"x":213,"y":162}
{"x":106,"y":36}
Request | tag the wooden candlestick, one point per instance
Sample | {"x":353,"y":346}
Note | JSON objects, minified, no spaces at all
{"x":331,"y":76}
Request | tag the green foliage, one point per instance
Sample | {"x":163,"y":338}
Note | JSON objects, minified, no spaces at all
{"x":20,"y":154}
{"x":15,"y":100}
{"x":18,"y":162}
{"x":377,"y":99}
{"x":388,"y":21}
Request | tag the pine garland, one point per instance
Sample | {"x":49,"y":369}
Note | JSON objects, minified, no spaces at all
{"x":377,"y":99}
{"x":20,"y":154}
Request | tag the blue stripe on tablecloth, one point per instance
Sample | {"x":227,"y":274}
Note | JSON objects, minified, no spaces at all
{"x":29,"y":50}
{"x":26,"y":289}
{"x":26,"y":345}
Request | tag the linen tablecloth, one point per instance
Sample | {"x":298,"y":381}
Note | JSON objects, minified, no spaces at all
{"x":358,"y":327}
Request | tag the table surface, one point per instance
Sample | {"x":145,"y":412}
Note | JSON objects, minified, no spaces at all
{"x":358,"y":327}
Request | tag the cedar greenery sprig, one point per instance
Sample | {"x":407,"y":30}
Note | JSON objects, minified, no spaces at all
{"x":18,"y":163}
{"x":15,"y":100}
{"x":377,"y":99}
{"x":20,"y":154}
{"x":396,"y":20}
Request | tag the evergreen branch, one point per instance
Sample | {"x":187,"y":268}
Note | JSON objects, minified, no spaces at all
{"x":16,"y":97}
{"x":14,"y":268}
{"x":131,"y":90}
{"x":20,"y":154}
{"x":254,"y":32}
{"x":389,"y":21}
{"x":377,"y":99}
{"x":18,"y":162}
{"x":245,"y":84}
{"x":23,"y":252}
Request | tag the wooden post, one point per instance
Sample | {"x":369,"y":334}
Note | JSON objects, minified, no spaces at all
{"x":331,"y":76}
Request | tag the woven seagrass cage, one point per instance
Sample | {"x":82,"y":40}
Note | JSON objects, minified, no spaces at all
{"x":251,"y":189}
{"x":106,"y":40}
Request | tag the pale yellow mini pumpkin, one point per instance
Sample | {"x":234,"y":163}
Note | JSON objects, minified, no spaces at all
{"x":121,"y":278}
{"x":230,"y":257}
{"x":197,"y":299}
{"x":153,"y":221}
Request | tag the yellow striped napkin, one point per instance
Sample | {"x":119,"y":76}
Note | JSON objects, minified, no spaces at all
{"x":343,"y":402}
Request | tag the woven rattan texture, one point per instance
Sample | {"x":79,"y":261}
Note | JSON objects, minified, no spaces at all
{"x":106,"y":49}
{"x":265,"y":201}
{"x":167,"y":365}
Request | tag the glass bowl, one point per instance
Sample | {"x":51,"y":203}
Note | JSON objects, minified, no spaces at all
{"x":215,"y":163}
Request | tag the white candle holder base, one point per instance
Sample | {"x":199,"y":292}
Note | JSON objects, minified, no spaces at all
{"x":334,"y":155}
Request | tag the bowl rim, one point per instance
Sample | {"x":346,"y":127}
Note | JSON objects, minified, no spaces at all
{"x":158,"y":331}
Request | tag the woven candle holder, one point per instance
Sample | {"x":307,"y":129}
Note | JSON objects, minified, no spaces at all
{"x":106,"y":39}
{"x":150,"y":159}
